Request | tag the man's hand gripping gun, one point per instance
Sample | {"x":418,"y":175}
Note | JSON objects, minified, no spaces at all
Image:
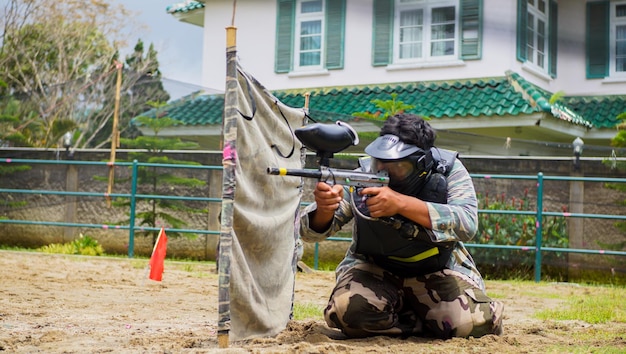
{"x":326,"y":140}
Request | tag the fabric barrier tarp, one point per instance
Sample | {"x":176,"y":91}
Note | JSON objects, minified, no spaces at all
{"x":262,"y":250}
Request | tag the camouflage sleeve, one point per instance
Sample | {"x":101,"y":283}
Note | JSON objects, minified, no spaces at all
{"x":343,"y":215}
{"x":457,"y":220}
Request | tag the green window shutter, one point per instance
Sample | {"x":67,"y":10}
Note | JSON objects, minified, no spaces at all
{"x":553,"y":37}
{"x":335,"y":33}
{"x":597,"y":39}
{"x":522,"y":16}
{"x":383,"y":32}
{"x":284,"y":35}
{"x":471,"y":22}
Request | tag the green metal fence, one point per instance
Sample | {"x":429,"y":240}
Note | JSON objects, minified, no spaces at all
{"x":538,"y":213}
{"x":133,"y":196}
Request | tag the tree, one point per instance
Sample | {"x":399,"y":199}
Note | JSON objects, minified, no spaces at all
{"x":150,"y":149}
{"x":384,"y":109}
{"x":619,"y":140}
{"x":60,"y":59}
{"x":141,"y":83}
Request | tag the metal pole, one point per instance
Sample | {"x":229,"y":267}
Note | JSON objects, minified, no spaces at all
{"x":316,"y":256}
{"x":133,"y":207}
{"x":538,"y":222}
{"x":115,"y":141}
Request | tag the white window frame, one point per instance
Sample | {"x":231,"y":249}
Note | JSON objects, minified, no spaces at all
{"x":614,"y":23}
{"x":299,"y":19}
{"x":532,"y":59}
{"x":426,"y":6}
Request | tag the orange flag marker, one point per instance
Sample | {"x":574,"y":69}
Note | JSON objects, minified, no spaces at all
{"x":158,"y":256}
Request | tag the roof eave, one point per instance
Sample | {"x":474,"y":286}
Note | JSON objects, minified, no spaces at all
{"x":194,"y":17}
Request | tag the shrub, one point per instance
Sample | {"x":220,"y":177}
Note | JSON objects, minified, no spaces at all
{"x":84,"y":245}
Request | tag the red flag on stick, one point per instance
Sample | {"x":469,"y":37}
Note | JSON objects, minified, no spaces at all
{"x":158,"y":256}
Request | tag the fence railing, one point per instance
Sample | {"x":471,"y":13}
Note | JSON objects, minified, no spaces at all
{"x":539,"y":213}
{"x":133,"y":196}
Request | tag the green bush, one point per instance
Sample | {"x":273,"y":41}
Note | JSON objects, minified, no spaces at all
{"x":84,"y":245}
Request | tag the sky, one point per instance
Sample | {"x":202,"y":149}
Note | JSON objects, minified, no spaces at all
{"x":179,"y":44}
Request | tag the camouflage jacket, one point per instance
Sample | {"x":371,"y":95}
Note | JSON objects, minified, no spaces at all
{"x":455,"y":221}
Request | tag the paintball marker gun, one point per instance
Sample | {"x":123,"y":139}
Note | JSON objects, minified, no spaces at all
{"x":326,"y":140}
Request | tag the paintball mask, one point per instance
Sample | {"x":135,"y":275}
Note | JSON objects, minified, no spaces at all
{"x":407,"y":165}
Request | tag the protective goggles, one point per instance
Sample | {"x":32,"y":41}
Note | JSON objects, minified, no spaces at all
{"x":399,"y":170}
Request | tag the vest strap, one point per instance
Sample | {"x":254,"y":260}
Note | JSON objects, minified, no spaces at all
{"x":418,"y":257}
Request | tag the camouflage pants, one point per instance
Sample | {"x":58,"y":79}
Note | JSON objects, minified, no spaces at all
{"x":368,"y":300}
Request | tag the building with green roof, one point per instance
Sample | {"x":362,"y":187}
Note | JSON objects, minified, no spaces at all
{"x":495,"y":77}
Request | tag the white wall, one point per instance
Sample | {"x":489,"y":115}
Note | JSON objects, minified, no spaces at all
{"x":256,"y":23}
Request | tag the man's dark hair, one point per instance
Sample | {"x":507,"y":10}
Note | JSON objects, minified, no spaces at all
{"x":411,"y":129}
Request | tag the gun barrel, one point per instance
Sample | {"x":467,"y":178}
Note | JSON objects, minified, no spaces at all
{"x":281,"y":171}
{"x":344,"y":177}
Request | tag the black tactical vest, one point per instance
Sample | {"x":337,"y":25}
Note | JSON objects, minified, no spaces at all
{"x":398,"y":244}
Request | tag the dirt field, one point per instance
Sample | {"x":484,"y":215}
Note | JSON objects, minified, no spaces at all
{"x":67,"y":304}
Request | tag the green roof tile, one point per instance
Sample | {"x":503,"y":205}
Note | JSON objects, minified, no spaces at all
{"x":601,"y":111}
{"x":509,"y":95}
{"x":184,"y":6}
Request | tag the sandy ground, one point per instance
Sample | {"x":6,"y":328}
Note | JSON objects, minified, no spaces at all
{"x":68,"y":304}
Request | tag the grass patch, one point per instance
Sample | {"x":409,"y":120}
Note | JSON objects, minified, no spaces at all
{"x":307,"y":311}
{"x":598,"y":305}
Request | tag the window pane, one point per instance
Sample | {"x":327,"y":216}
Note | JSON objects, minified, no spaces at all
{"x":442,"y":48}
{"x":413,"y":50}
{"x":443,"y":32}
{"x":541,"y":5}
{"x":620,"y":10}
{"x":410,"y":34}
{"x":540,"y":60}
{"x":541,"y":41}
{"x":621,"y":65}
{"x":541,"y":28}
{"x":311,"y":43}
{"x":311,"y":6}
{"x":311,"y":27}
{"x":620,"y":49}
{"x":411,"y":18}
{"x":309,"y":58}
{"x":426,"y":29}
{"x":620,"y":33}
{"x":443,"y":14}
